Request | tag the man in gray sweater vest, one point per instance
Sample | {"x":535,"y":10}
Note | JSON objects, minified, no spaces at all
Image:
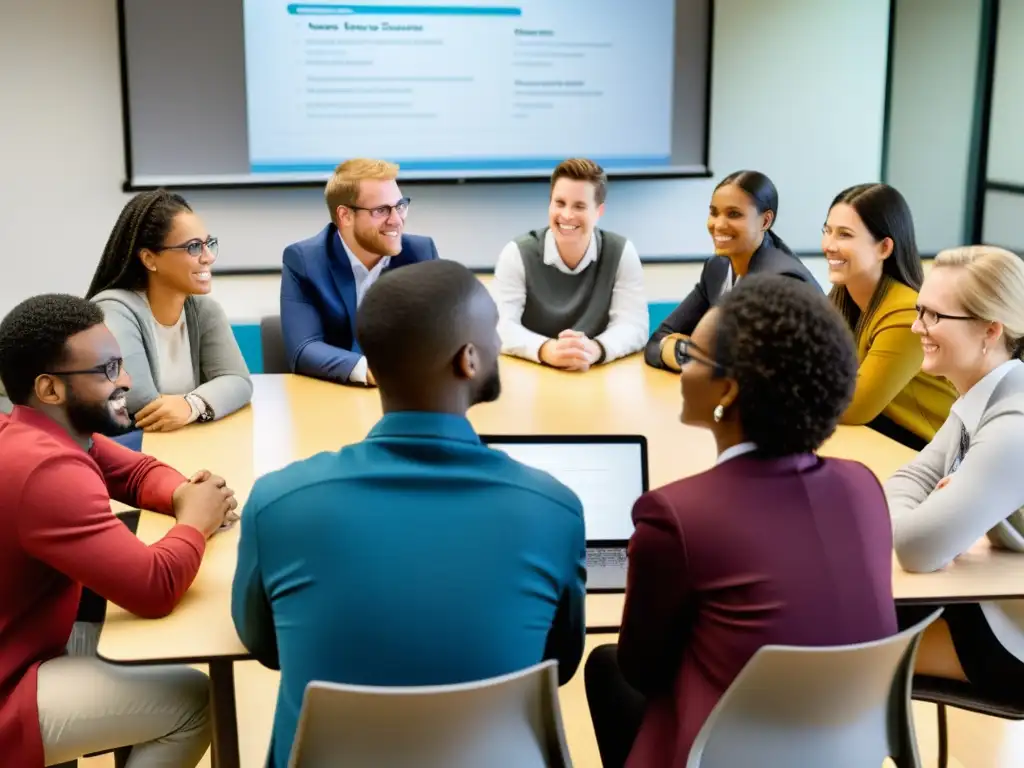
{"x":571,"y":295}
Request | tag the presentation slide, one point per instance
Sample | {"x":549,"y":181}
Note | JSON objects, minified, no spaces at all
{"x":481,"y":86}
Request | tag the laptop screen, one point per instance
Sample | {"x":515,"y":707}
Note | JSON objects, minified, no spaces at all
{"x":607,"y":476}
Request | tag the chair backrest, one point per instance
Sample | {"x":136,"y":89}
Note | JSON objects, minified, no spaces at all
{"x":842,"y":706}
{"x":272,"y":344}
{"x":512,"y":721}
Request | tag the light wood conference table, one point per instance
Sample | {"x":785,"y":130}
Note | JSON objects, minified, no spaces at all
{"x":293,"y":417}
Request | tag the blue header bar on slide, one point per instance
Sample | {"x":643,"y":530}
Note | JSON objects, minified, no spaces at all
{"x":306,"y":9}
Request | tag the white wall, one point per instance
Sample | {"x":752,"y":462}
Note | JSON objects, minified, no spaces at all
{"x":797,"y":88}
{"x":1003,"y":211}
{"x":931,"y":117}
{"x":1005,"y":158}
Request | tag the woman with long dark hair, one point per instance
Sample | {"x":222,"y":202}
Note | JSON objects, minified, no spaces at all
{"x":874,"y":267}
{"x":741,"y":214}
{"x":177,"y":343}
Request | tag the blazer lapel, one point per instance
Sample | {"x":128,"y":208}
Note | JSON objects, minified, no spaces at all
{"x":341,"y":273}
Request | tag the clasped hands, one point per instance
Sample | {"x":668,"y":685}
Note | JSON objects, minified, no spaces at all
{"x":206,"y":503}
{"x":571,"y":351}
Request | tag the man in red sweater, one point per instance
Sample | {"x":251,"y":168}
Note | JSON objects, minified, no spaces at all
{"x":62,"y":370}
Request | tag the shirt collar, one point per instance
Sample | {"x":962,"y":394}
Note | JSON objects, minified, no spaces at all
{"x":30,"y":417}
{"x":970,"y":407}
{"x":358,"y":268}
{"x":553,"y":259}
{"x":437,"y":426}
{"x":737,"y":450}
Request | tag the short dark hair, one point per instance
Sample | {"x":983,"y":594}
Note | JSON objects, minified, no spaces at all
{"x":793,"y":358}
{"x":413,"y":319}
{"x":582,"y":169}
{"x":762,"y":192}
{"x":144,"y":222}
{"x":34,"y":336}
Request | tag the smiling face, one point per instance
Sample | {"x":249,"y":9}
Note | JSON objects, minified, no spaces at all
{"x":94,"y":403}
{"x":573,"y":213}
{"x":854,"y":256}
{"x":735,"y":226}
{"x":954,"y":347}
{"x":375,"y":225}
{"x":173,"y":265}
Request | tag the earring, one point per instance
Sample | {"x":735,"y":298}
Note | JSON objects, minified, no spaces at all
{"x":984,"y":349}
{"x":718,"y":413}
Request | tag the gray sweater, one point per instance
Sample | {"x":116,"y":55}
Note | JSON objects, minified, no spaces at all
{"x":217,"y":362}
{"x":983,"y":498}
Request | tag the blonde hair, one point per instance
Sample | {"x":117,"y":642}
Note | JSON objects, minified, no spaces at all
{"x":991,"y":288}
{"x":343,"y":187}
{"x":582,"y":169}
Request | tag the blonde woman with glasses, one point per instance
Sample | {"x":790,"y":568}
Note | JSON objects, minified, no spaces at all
{"x":967,"y":483}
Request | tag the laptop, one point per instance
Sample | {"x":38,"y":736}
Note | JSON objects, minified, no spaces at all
{"x":608,"y":473}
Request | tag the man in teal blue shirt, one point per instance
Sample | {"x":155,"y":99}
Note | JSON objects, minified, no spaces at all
{"x":418,"y":556}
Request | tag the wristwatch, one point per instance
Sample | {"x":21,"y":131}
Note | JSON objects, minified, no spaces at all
{"x":200,"y":410}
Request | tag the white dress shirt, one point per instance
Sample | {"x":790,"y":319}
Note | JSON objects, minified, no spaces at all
{"x":628,"y":319}
{"x":737,"y":450}
{"x":364,"y":279}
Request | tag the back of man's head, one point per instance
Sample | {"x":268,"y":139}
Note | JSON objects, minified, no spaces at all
{"x":34,"y":336}
{"x":429,"y":334}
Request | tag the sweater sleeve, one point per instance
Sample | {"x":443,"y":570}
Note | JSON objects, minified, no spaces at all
{"x":125,"y":328}
{"x":931,"y":527}
{"x":69,"y":525}
{"x":224,"y":377}
{"x":893,"y":359}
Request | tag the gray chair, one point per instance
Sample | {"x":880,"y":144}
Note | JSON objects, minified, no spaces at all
{"x":272,"y":344}
{"x":512,"y":721}
{"x":843,"y":706}
{"x":955,"y":693}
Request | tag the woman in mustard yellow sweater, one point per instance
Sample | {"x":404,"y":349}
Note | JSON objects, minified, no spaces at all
{"x":875,"y":270}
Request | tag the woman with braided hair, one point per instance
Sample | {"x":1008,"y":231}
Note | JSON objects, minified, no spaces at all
{"x":178,"y":347}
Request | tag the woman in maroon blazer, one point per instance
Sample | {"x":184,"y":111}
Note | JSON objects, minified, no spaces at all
{"x":772,"y":545}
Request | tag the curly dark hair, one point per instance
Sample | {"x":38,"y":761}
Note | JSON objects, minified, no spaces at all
{"x":793,"y":357}
{"x":144,"y":222}
{"x":34,"y":335}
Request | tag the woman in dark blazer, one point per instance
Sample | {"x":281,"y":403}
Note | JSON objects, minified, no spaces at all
{"x":773,"y":545}
{"x":740,"y":218}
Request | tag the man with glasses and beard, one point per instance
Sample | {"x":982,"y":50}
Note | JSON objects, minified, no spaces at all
{"x":418,"y":556}
{"x":324,"y":278}
{"x":62,"y":370}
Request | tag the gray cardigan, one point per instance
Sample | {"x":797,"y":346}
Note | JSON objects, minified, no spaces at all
{"x":217,"y":361}
{"x":983,"y":498}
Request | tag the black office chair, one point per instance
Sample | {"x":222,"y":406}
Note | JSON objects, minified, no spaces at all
{"x":272,"y":343}
{"x":955,"y":693}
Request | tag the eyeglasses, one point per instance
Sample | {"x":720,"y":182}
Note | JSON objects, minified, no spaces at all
{"x":194,"y":248}
{"x":384,"y":211}
{"x":685,"y":349}
{"x":930,"y":317}
{"x":111,"y":369}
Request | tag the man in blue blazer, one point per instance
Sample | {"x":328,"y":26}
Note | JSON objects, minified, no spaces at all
{"x":325,"y":277}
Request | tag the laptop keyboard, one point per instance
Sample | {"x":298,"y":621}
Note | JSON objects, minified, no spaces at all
{"x":610,"y":557}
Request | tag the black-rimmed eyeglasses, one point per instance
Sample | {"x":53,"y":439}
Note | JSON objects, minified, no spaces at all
{"x":194,"y":248}
{"x":686,"y":351}
{"x":930,"y":317}
{"x":111,"y":369}
{"x":384,"y":211}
